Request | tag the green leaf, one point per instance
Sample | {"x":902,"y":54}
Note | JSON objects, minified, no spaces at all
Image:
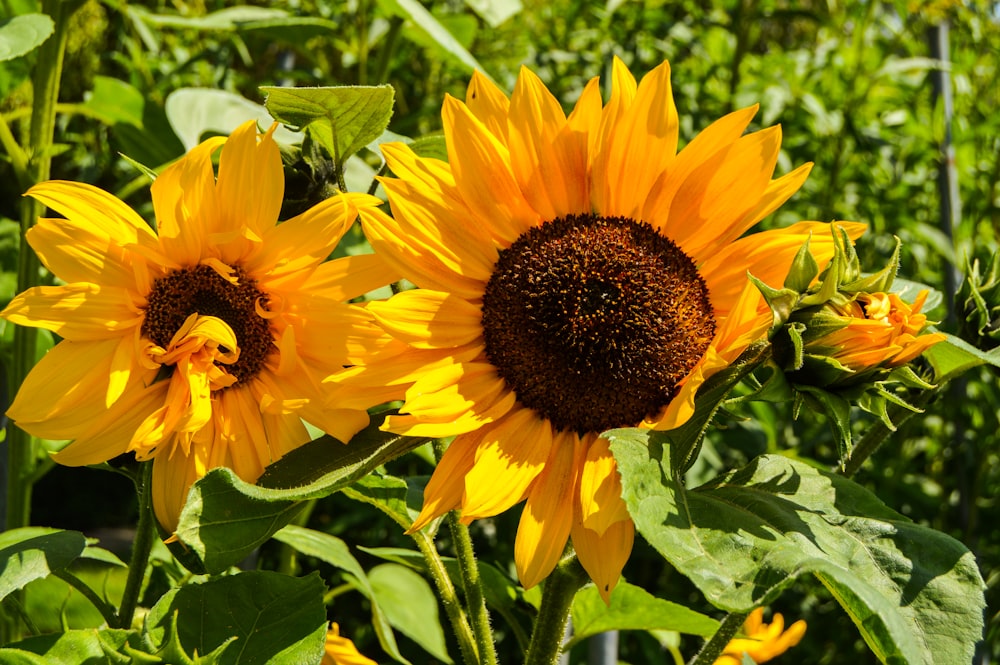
{"x":633,"y":608}
{"x":23,"y":34}
{"x":495,"y":12}
{"x":226,"y":19}
{"x":226,"y":518}
{"x":31,"y":553}
{"x":410,"y":606}
{"x":114,"y":101}
{"x":342,"y":119}
{"x":915,"y":594}
{"x":425,"y":22}
{"x":73,"y":647}
{"x":954,"y":356}
{"x":398,"y":498}
{"x":195,"y":112}
{"x":274,"y":618}
{"x":291,"y":29}
{"x":335,"y":552}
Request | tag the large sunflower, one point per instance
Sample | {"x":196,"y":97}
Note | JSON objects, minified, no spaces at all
{"x":203,"y":344}
{"x":576,"y":274}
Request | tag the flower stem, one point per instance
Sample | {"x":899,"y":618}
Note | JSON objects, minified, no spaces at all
{"x":879,"y":431}
{"x":557,"y":597}
{"x":473,"y":586}
{"x":48,"y":69}
{"x":141,"y":547}
{"x":446,"y":592}
{"x":717,"y":643}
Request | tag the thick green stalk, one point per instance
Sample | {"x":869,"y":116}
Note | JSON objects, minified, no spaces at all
{"x":20,"y":447}
{"x":715,"y":645}
{"x":557,"y":597}
{"x":473,"y":586}
{"x":145,"y":532}
{"x":446,"y":592}
{"x":875,"y":435}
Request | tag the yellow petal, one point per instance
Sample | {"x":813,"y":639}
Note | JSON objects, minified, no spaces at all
{"x":174,"y":471}
{"x":710,"y":205}
{"x":88,"y":208}
{"x":349,"y":277}
{"x":185,"y":202}
{"x":78,"y":312}
{"x":251,"y":183}
{"x":549,"y":168}
{"x":488,"y":103}
{"x":548,"y":513}
{"x":428,"y":319}
{"x":306,"y":240}
{"x":408,"y":256}
{"x":643,"y":141}
{"x":712,"y":140}
{"x":445,"y":488}
{"x":78,"y":253}
{"x":481,"y":165}
{"x":601,"y":502}
{"x":604,"y":556}
{"x":509,"y":457}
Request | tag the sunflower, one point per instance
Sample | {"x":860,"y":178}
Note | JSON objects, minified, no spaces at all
{"x":340,"y":650}
{"x":203,"y":344}
{"x":762,"y":641}
{"x":575,"y":274}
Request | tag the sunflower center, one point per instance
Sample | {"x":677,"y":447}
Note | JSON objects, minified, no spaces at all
{"x":201,"y":290}
{"x":593,"y":321}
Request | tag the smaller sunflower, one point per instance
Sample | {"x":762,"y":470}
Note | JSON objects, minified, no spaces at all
{"x":340,"y":650}
{"x":203,"y":344}
{"x":576,"y":274}
{"x":762,"y":641}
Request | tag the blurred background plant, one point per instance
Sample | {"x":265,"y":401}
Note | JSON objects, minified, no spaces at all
{"x":856,"y":87}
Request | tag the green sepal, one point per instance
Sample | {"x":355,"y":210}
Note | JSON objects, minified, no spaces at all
{"x":803,"y":271}
{"x":978,"y":299}
{"x":837,"y":410}
{"x":877,"y":282}
{"x":781,"y":301}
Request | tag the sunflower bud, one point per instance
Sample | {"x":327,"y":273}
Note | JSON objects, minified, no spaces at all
{"x":978,"y":300}
{"x":843,"y":337}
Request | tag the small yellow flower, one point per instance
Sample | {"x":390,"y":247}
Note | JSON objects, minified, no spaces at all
{"x":341,"y":651}
{"x":762,"y":641}
{"x":576,"y":274}
{"x":880,"y":331}
{"x":205,"y":343}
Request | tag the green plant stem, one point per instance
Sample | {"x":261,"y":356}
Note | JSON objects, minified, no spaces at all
{"x":48,"y":69}
{"x":106,"y":609}
{"x":145,"y":531}
{"x":557,"y":597}
{"x":14,"y":601}
{"x":713,"y":648}
{"x":387,"y":50}
{"x":474,"y":599}
{"x":879,"y":431}
{"x":446,"y":592}
{"x":18,"y":157}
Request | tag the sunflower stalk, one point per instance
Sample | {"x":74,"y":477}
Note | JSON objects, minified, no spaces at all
{"x":449,"y":599}
{"x":473,"y":586}
{"x":141,"y":547}
{"x":553,"y":615}
{"x":717,"y":643}
{"x":20,"y":447}
{"x":879,"y":431}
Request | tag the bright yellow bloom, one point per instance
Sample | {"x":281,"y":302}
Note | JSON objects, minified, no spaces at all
{"x":881,"y":330}
{"x":576,"y":274}
{"x":201,"y":345}
{"x":341,"y":651}
{"x":762,"y":641}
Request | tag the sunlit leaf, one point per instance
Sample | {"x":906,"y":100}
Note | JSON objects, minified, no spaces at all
{"x":23,"y":34}
{"x":73,"y":647}
{"x":915,"y":594}
{"x":633,"y":608}
{"x":342,"y":119}
{"x":955,"y":356}
{"x":425,"y":21}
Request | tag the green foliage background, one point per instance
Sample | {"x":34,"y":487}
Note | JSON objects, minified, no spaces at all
{"x":850,"y":83}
